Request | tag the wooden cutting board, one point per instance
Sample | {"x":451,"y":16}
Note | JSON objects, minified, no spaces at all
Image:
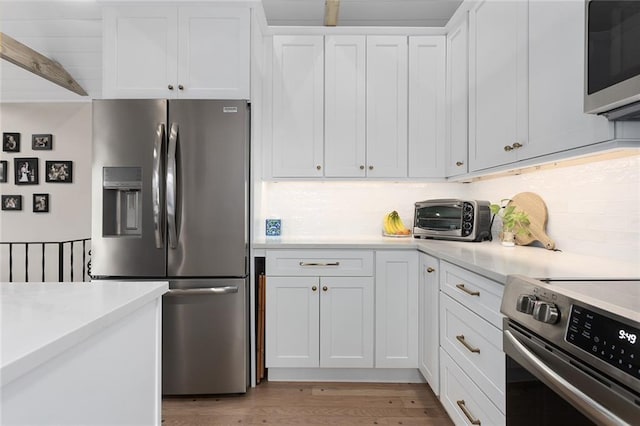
{"x":535,"y":207}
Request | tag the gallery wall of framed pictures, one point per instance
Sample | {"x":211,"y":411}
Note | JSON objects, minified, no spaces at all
{"x":26,"y":170}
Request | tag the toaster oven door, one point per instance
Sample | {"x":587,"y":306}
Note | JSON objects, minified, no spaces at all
{"x":441,"y":219}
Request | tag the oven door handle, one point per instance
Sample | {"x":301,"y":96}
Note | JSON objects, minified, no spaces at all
{"x":592,"y":408}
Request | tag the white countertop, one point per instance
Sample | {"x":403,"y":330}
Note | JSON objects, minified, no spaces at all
{"x":489,"y":259}
{"x":41,"y":320}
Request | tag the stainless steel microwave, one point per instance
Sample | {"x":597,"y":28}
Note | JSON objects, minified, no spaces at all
{"x":452,"y":219}
{"x":612,"y":59}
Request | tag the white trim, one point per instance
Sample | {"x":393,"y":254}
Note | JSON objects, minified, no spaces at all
{"x":315,"y":30}
{"x":382,"y":375}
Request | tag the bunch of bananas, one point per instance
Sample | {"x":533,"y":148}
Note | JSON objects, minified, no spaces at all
{"x":392,"y":225}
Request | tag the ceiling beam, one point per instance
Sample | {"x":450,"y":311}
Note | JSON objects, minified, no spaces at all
{"x":23,"y":56}
{"x":331,"y":8}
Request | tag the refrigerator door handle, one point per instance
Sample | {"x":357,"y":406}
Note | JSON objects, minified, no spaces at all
{"x":210,"y":290}
{"x":172,"y":186}
{"x":158,"y":187}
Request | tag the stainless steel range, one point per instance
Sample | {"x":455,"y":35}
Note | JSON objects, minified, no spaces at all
{"x":580,"y":339}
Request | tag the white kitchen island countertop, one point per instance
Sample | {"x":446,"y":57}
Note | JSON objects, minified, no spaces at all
{"x":489,"y":259}
{"x":39,"y":321}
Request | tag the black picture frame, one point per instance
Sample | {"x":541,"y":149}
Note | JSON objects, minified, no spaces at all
{"x":42,"y":142}
{"x":41,"y":203}
{"x":59,"y":171}
{"x":4,"y":166}
{"x":12,"y":202}
{"x":11,"y":142}
{"x":26,"y":171}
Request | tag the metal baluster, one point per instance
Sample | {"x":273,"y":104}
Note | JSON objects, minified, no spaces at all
{"x":60,"y":261}
{"x":43,"y":246}
{"x":26,"y":262}
{"x":84,"y":257}
{"x":72,"y":242}
{"x":10,"y":262}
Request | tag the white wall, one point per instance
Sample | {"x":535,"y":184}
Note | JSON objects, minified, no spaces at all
{"x":69,"y":214}
{"x":593,"y":208}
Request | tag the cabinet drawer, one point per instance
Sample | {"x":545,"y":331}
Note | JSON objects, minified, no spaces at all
{"x":463,"y":400}
{"x":481,"y":295}
{"x":476,"y":346}
{"x":344,"y":263}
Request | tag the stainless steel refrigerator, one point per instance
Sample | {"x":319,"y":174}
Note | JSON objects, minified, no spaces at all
{"x":170,"y":185}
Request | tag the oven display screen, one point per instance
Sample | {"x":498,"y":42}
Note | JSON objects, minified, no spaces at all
{"x":612,"y":341}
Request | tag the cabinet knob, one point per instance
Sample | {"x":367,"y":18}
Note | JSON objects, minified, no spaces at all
{"x":318,"y":167}
{"x":516,"y":145}
{"x":430,"y":269}
{"x":180,"y":87}
{"x":508,"y":148}
{"x":325,"y":288}
{"x":314,"y":288}
{"x":170,"y":87}
{"x":459,"y":163}
{"x":361,"y":167}
{"x":370,"y":167}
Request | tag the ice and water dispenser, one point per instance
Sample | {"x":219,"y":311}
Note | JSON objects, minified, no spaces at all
{"x":122,"y":201}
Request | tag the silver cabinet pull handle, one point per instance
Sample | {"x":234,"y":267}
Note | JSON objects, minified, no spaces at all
{"x":430,"y":269}
{"x":325,"y":288}
{"x":172,"y":186}
{"x":517,"y":145}
{"x":319,"y":263}
{"x":209,"y":290}
{"x":508,"y":148}
{"x":466,"y":290}
{"x":314,"y":288}
{"x":530,"y":361}
{"x":459,"y":163}
{"x":466,"y":345}
{"x":467,"y":413}
{"x":158,"y":187}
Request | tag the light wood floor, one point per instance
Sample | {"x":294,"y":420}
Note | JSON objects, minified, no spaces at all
{"x":288,"y":403}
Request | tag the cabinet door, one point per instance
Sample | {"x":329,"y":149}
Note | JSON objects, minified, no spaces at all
{"x":298,"y":101}
{"x":386,"y":106}
{"x":292,"y":322}
{"x":457,"y":117}
{"x":140,"y":52}
{"x":498,"y":72}
{"x":426,"y":106}
{"x":556,"y":82}
{"x":346,"y":322}
{"x":396,"y":309}
{"x":428,"y":328}
{"x":344,"y":106}
{"x":214,"y":52}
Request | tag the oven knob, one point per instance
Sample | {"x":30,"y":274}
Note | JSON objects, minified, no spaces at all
{"x":525,"y":303}
{"x":546,"y":312}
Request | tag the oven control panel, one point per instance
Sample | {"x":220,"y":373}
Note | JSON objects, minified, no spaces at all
{"x":612,"y":341}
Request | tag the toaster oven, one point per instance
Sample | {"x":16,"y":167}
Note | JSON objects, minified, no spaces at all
{"x":452,"y":219}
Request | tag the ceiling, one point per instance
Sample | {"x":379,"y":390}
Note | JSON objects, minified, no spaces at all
{"x":386,"y":13}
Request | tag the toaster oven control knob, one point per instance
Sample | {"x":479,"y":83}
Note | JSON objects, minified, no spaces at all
{"x":546,"y":312}
{"x":466,"y":225}
{"x":525,"y":303}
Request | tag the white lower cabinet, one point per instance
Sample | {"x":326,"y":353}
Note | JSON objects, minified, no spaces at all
{"x":472,"y":363}
{"x":465,"y":403}
{"x":396,"y":309}
{"x":319,"y":321}
{"x":428,"y":341}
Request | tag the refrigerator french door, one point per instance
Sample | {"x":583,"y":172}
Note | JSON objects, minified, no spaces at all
{"x":170,"y":201}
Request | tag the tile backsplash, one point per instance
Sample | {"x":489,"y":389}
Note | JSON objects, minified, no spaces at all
{"x":593,"y":208}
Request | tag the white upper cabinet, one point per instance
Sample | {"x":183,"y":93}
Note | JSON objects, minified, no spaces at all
{"x":426,"y":106}
{"x":457,"y":87}
{"x":498,"y":101}
{"x":298,"y":103}
{"x":386,"y":106}
{"x":170,"y":52}
{"x":556,"y":81}
{"x":344,"y":106}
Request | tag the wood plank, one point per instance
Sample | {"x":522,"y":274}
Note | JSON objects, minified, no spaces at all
{"x":23,"y":56}
{"x":331,"y":10}
{"x":289,"y":403}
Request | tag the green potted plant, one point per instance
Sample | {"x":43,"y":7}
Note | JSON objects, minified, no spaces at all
{"x":513,"y":222}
